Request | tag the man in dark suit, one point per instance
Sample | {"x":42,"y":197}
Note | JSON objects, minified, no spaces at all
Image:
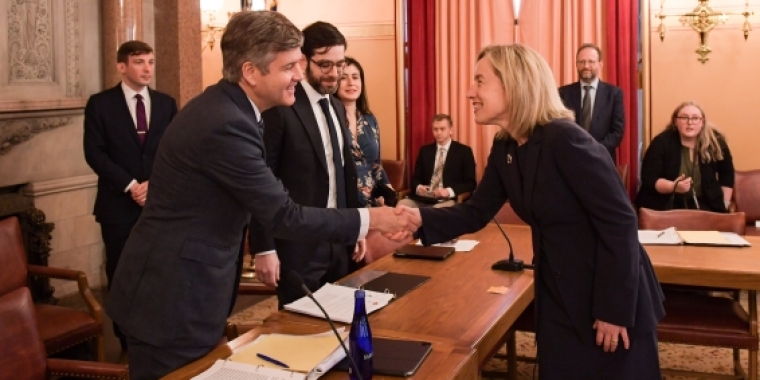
{"x":601,"y":113}
{"x":444,"y":169}
{"x":122,"y":128}
{"x":308,"y":148}
{"x":174,"y":285}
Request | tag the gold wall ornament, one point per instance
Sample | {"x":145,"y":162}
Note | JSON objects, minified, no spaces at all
{"x":703,"y":19}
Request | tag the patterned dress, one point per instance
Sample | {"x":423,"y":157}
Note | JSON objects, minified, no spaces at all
{"x":366,"y":152}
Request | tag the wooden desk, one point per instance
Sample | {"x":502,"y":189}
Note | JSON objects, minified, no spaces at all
{"x":724,"y":267}
{"x":453,"y":307}
{"x":444,"y":361}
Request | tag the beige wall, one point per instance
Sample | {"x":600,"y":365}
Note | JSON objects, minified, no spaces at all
{"x":370,"y":29}
{"x":726,"y":85}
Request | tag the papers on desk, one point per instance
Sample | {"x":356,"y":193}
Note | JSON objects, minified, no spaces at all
{"x":671,"y":236}
{"x":338,"y":301}
{"x":462,"y":245}
{"x":226,"y":370}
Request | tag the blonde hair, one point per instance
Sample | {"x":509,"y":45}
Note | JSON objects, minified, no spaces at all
{"x":708,"y":140}
{"x":529,"y":86}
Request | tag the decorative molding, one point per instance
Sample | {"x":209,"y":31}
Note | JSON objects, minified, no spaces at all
{"x":73,"y":86}
{"x":30,"y":41}
{"x":357,"y":31}
{"x":16,"y":131}
{"x":38,"y":189}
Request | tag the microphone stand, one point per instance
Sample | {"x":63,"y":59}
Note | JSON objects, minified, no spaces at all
{"x":511,"y":264}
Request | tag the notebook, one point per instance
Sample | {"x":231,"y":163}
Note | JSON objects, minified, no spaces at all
{"x":397,"y":284}
{"x":395,"y":357}
{"x":427,"y":253}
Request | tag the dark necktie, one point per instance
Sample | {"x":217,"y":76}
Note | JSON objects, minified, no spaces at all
{"x":142,"y":122}
{"x":340,"y":181}
{"x":586,"y":110}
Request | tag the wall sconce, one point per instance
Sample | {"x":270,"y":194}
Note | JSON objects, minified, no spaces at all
{"x":703,"y":19}
{"x":209,"y":8}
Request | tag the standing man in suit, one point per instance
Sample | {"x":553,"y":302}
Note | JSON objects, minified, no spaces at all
{"x":174,"y":285}
{"x":308,"y":148}
{"x":444,"y":169}
{"x":600,"y":113}
{"x":122,"y":128}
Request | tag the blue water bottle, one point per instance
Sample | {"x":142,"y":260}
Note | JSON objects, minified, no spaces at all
{"x":360,"y":340}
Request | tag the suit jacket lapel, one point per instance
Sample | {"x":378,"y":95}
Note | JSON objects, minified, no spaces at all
{"x":600,"y":101}
{"x":121,"y":100}
{"x":305,"y":113}
{"x":575,"y":99}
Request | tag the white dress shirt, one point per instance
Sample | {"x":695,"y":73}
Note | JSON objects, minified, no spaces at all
{"x":129,"y":96}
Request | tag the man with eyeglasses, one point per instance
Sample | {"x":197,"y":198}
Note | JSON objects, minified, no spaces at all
{"x":598,"y":105}
{"x":308,"y":147}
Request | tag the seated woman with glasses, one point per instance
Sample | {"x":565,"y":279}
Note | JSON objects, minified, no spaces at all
{"x":688,"y":165}
{"x":366,"y":137}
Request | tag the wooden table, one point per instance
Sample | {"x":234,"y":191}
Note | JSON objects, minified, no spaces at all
{"x":444,"y":361}
{"x":453,"y":307}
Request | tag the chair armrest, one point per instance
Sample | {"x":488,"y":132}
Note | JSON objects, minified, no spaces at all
{"x":86,"y":369}
{"x":463,"y":197}
{"x":403,"y":193}
{"x":73,"y":275}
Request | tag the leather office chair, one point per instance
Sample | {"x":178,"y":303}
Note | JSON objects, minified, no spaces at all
{"x":59,"y":327}
{"x":698,"y":318}
{"x":396,"y":171}
{"x":747,"y":198}
{"x":622,"y":170}
{"x":22,"y":353}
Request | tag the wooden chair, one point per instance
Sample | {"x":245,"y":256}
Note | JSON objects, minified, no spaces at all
{"x":622,"y":170}
{"x":698,"y":318}
{"x":396,"y":171}
{"x":747,"y":198}
{"x":59,"y":327}
{"x":22,"y":353}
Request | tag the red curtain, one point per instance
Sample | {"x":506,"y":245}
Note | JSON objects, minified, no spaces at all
{"x":621,"y":67}
{"x":421,"y":76}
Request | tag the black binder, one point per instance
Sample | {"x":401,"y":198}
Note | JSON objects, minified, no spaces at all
{"x":421,"y":252}
{"x":397,"y":284}
{"x":395,"y":357}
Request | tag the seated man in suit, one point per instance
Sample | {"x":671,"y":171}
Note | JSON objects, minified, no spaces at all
{"x":444,"y":169}
{"x":601,"y":113}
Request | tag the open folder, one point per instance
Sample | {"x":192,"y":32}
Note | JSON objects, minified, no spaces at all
{"x":338,"y":301}
{"x":671,"y":236}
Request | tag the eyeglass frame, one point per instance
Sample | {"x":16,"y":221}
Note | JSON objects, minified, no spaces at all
{"x":585,"y":62}
{"x":690,"y":120}
{"x":340,"y":68}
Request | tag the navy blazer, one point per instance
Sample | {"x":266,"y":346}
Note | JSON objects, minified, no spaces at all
{"x":663,"y":160}
{"x":581,"y":220}
{"x":173,"y":286}
{"x":458,"y":170}
{"x":113,"y":151}
{"x":608,"y":118}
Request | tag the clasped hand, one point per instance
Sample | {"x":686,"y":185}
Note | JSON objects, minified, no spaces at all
{"x":395,"y":224}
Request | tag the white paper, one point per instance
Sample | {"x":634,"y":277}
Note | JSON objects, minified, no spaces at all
{"x":338,"y":301}
{"x":668,"y":236}
{"x":226,"y":370}
{"x":757,"y":223}
{"x":734,"y":239}
{"x":462,"y":245}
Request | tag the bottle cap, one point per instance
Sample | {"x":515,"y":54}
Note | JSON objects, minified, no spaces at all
{"x":359,"y":293}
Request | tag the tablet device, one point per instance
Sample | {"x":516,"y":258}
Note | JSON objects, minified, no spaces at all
{"x":422,"y":252}
{"x":394,"y":357}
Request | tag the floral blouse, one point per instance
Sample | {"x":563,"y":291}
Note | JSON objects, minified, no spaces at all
{"x":366,"y":152}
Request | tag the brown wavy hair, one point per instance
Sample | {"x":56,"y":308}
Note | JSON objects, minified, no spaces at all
{"x":708,"y":140}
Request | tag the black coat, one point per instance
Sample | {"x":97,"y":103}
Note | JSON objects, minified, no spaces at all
{"x":608,"y":118}
{"x":458,"y":170}
{"x":663,"y":160}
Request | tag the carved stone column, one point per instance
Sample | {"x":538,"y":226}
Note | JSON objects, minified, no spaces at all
{"x":179,"y":70}
{"x":122,"y":22}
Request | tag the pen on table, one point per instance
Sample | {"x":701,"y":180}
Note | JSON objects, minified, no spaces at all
{"x":272,"y":360}
{"x":661,"y":233}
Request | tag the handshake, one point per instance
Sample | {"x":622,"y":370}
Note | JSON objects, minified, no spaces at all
{"x":391,"y":228}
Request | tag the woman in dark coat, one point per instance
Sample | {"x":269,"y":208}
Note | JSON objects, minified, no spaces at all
{"x":688,"y":165}
{"x":597,"y":298}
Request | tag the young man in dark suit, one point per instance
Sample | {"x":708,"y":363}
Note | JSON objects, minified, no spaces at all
{"x":173,"y":288}
{"x":601,"y":113}
{"x":444,"y":169}
{"x":308,"y":147}
{"x":122,"y":128}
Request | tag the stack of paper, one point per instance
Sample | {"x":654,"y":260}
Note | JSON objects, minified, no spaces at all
{"x":225,"y":370}
{"x":461,"y":245}
{"x":338,"y":301}
{"x":671,"y":236}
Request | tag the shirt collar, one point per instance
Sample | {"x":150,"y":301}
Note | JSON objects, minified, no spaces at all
{"x":444,"y":146}
{"x":130,"y":93}
{"x":255,"y":111}
{"x":594,"y":85}
{"x":314,"y":96}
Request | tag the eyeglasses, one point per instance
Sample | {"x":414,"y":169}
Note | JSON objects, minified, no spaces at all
{"x":326,"y":66}
{"x":586,"y":62}
{"x":689,"y":120}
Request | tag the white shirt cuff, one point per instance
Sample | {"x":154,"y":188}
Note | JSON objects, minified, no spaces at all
{"x":272,"y":251}
{"x":364,"y":217}
{"x":134,"y":181}
{"x":451,"y":192}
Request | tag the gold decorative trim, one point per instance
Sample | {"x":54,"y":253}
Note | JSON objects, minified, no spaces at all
{"x":17,"y":131}
{"x":368,"y":30}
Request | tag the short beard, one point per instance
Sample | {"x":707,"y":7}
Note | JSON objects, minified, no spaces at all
{"x":317,"y":84}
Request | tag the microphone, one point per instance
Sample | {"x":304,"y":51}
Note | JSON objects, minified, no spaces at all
{"x":511,"y":264}
{"x":295,"y":279}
